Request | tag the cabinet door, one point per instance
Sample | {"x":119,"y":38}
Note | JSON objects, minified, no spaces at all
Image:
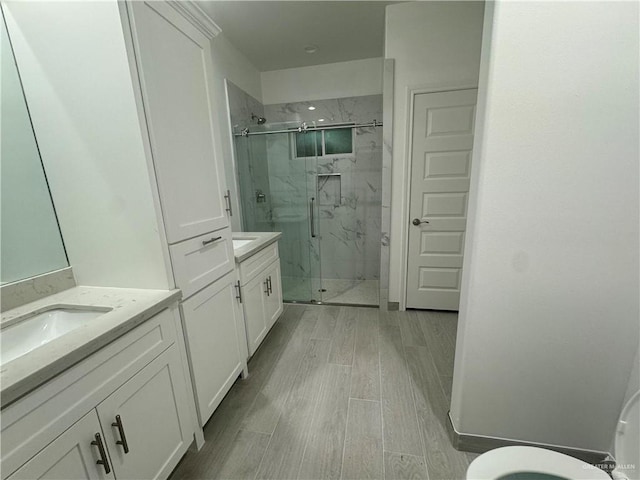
{"x":152,"y":411}
{"x":254,"y":295}
{"x":210,"y":317}
{"x":174,"y":66}
{"x":273,"y":303}
{"x":70,"y":456}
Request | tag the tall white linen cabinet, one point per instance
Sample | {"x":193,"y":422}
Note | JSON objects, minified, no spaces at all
{"x":173,"y":62}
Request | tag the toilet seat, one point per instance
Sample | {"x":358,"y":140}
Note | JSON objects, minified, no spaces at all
{"x":508,"y":460}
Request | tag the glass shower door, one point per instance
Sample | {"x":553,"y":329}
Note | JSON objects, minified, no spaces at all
{"x":278,"y":194}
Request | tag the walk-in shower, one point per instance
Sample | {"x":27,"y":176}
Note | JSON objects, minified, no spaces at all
{"x":315,"y":176}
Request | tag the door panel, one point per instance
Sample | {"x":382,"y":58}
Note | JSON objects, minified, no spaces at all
{"x":441,"y":164}
{"x":273,"y":302}
{"x":174,"y":62}
{"x":254,"y":311}
{"x":150,"y":406}
{"x":210,"y":320}
{"x":70,"y":456}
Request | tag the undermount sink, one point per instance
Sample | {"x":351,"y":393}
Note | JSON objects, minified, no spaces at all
{"x":36,"y":330}
{"x":237,"y":243}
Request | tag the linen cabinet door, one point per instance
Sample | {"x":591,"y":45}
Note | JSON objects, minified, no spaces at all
{"x":174,"y":66}
{"x":254,"y":294}
{"x":71,"y":456}
{"x":273,"y":301}
{"x":145,"y":420}
{"x":210,"y":323}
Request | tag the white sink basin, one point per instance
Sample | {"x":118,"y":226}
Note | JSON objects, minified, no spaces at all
{"x":32,"y":332}
{"x":241,"y":242}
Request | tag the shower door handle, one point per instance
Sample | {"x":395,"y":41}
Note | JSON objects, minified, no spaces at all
{"x":311,"y":217}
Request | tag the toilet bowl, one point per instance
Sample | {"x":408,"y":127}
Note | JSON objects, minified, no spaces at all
{"x":534,"y":463}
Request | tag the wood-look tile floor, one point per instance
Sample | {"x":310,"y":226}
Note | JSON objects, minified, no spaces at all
{"x":339,"y":392}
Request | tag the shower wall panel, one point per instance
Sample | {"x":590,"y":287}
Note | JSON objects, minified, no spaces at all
{"x":251,"y":161}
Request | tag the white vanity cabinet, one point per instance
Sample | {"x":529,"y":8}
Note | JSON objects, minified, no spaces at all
{"x":261,"y":289}
{"x":120,"y":413}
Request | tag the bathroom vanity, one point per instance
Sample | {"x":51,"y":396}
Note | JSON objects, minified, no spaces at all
{"x":259,"y":283}
{"x":109,"y":398}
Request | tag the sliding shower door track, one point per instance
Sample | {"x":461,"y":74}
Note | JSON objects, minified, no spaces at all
{"x":332,"y":304}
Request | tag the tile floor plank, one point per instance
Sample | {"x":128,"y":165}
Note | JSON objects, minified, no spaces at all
{"x":344,"y":337}
{"x":286,"y":448}
{"x":323,"y":453}
{"x":365,"y":376}
{"x":438,"y":341}
{"x":443,"y":461}
{"x":400,"y":466}
{"x":412,"y":333}
{"x":327,"y":320}
{"x":363,"y":456}
{"x":398,"y":409}
{"x":269,"y":403}
{"x":244,"y":458}
{"x":389,"y":318}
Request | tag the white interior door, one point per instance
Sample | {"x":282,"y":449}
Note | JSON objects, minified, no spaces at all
{"x":442,"y":139}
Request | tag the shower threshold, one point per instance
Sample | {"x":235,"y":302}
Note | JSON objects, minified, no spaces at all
{"x":333,"y":292}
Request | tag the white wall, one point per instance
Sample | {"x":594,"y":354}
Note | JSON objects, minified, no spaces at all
{"x":549,"y":318}
{"x":320,"y":82}
{"x":230,"y":63}
{"x":434,"y":44}
{"x":79,"y":90}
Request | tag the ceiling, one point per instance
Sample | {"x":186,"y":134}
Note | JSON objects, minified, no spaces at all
{"x":273,"y":34}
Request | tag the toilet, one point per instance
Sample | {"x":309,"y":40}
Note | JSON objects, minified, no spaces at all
{"x":534,"y":463}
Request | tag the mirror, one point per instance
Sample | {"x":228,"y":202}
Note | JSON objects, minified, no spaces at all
{"x":30,"y":240}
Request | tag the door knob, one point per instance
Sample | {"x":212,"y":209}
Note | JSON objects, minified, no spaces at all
{"x":417,"y":221}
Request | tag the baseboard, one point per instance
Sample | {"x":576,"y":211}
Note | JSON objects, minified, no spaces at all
{"x":393,"y":306}
{"x":481,"y":444}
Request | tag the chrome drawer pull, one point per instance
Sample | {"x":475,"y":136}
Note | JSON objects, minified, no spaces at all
{"x":211,"y":240}
{"x":239,"y":290}
{"x":123,"y":438}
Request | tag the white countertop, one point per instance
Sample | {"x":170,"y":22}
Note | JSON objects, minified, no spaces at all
{"x":260,"y":241}
{"x":130,"y":307}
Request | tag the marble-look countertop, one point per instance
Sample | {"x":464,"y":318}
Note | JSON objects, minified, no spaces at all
{"x":129,"y":308}
{"x":260,"y":241}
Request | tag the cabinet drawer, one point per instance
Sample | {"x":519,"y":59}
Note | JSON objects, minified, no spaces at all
{"x":210,"y":320}
{"x":38,"y":418}
{"x":200,"y":261}
{"x":256,"y":263}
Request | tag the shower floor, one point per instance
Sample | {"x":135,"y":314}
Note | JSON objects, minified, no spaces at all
{"x":352,"y":292}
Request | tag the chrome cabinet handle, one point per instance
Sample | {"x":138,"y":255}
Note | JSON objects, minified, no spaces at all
{"x":103,"y":455}
{"x":211,"y":240}
{"x":269,"y":285}
{"x":311,"y":219}
{"x":228,"y":199}
{"x":123,"y":437}
{"x":417,"y":221}
{"x":238,"y":291}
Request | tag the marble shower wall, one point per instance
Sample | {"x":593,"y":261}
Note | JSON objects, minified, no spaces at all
{"x":349,"y":204}
{"x":251,"y":160}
